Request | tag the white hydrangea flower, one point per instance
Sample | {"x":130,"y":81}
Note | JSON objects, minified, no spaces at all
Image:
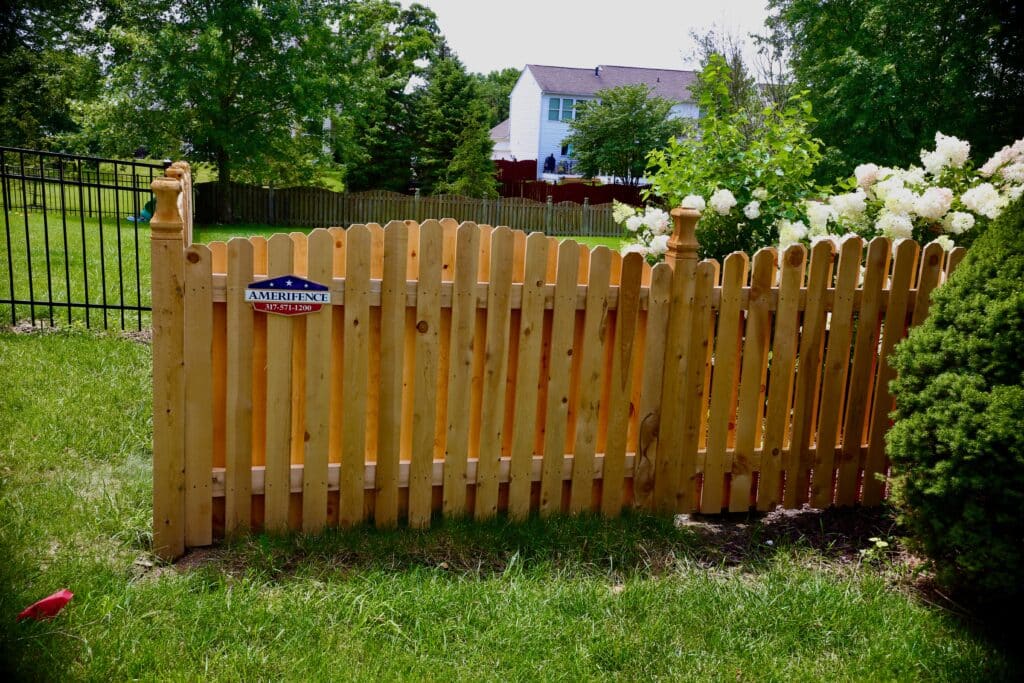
{"x":958,"y":222}
{"x":889,"y":183}
{"x":913,"y":176}
{"x":894,"y":225}
{"x":850,"y":205}
{"x":944,"y":242}
{"x":634,"y":248}
{"x":790,"y":232}
{"x":693,"y":201}
{"x":621,"y":212}
{"x":933,"y":162}
{"x":933,"y":203}
{"x":659,"y":245}
{"x":866,"y":175}
{"x":1013,"y":173}
{"x":818,"y":215}
{"x":656,"y":220}
{"x":984,"y":199}
{"x":634,"y":222}
{"x":722,"y":201}
{"x":760,"y":194}
{"x":900,"y":200}
{"x":1007,"y":155}
{"x":953,"y":149}
{"x":752,"y":210}
{"x":1014,"y":191}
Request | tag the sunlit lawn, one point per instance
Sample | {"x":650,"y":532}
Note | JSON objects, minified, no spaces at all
{"x":583,"y":599}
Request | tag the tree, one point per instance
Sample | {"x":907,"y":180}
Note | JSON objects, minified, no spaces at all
{"x":446,"y":107}
{"x":495,"y":88}
{"x":377,"y":154}
{"x":614,"y":134}
{"x":471,"y":172}
{"x":44,"y":63}
{"x":244,"y":85}
{"x":885,"y":75}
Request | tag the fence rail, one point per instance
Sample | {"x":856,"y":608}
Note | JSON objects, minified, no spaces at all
{"x":470,"y":370}
{"x":70,"y":252}
{"x":311,"y":207}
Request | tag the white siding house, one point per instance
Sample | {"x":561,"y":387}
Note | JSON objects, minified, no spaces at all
{"x":544,"y":100}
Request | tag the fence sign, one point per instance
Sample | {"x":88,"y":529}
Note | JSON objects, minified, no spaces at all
{"x":287,"y":295}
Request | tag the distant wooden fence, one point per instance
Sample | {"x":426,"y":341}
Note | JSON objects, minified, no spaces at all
{"x":471,"y":370}
{"x":312,"y":207}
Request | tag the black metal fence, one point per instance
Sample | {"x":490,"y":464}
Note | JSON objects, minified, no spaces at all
{"x":75,"y":233}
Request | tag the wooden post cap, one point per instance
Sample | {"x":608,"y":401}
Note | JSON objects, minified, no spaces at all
{"x":682,"y":245}
{"x":166,"y":221}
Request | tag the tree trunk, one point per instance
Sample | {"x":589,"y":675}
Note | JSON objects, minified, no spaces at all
{"x":224,"y":212}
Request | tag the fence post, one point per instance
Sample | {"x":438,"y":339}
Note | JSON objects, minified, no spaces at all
{"x":682,"y":245}
{"x":585,"y":218}
{"x":548,"y":211}
{"x":167,"y":251}
{"x":416,"y":204}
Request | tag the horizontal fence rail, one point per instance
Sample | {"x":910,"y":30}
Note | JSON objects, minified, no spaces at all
{"x":462,"y":369}
{"x":311,"y":207}
{"x":71,"y":249}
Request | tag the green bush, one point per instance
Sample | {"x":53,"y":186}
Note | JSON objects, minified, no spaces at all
{"x":957,"y":446}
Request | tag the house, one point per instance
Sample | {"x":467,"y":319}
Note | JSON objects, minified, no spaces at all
{"x":545,"y":99}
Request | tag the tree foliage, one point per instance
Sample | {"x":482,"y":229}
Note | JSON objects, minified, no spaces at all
{"x":45,"y":62}
{"x":448,"y":105}
{"x":770,"y":164}
{"x":957,"y":447}
{"x":495,"y":88}
{"x":243,"y":85}
{"x":884,"y":75}
{"x":376,"y":130}
{"x":471,"y":171}
{"x":613,"y":134}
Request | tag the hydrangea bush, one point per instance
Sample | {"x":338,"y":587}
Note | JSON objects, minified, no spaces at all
{"x":945,"y":200}
{"x":743,"y":177}
{"x":647,"y":230}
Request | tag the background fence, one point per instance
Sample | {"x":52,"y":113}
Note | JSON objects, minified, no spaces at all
{"x":472,"y":370}
{"x":70,"y":252}
{"x":317,"y":207}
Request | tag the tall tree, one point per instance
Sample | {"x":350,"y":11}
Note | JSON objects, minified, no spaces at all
{"x":495,"y":88}
{"x":243,"y":84}
{"x":45,"y":61}
{"x":613,"y":134}
{"x":885,"y":75}
{"x":448,"y":104}
{"x":471,"y":172}
{"x":378,"y":153}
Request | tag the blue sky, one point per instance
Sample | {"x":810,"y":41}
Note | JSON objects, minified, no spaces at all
{"x":493,"y":34}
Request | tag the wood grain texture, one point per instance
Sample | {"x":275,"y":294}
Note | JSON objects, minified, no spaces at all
{"x":563,"y":323}
{"x":356,"y":374}
{"x":239,"y":427}
{"x":198,"y":395}
{"x":279,"y":396}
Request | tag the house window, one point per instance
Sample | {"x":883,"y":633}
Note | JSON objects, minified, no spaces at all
{"x":566,"y":150}
{"x":562,"y":109}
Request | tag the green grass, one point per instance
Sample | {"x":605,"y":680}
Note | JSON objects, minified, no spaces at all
{"x":213,"y":233}
{"x":569,"y":599}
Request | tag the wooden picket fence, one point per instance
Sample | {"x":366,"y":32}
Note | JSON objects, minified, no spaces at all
{"x":469,"y":371}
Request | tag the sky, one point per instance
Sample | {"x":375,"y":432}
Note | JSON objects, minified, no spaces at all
{"x":495,"y":34}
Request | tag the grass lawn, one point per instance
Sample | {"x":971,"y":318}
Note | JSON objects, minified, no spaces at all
{"x":214,"y":233}
{"x":633,"y":599}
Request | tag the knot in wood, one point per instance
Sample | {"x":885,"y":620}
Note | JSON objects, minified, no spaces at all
{"x":422,"y":326}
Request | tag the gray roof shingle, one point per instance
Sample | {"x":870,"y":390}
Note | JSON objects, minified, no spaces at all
{"x":671,"y":84}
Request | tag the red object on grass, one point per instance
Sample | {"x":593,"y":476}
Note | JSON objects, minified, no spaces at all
{"x":48,"y":607}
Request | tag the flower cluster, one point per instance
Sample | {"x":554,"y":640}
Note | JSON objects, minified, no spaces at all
{"x":942,"y":200}
{"x":647,"y":229}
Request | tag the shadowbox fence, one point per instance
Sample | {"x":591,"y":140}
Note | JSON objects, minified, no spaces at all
{"x":315,"y":207}
{"x":70,"y":252}
{"x":470,"y":370}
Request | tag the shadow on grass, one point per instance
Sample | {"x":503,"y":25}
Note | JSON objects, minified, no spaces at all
{"x":634,"y":544}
